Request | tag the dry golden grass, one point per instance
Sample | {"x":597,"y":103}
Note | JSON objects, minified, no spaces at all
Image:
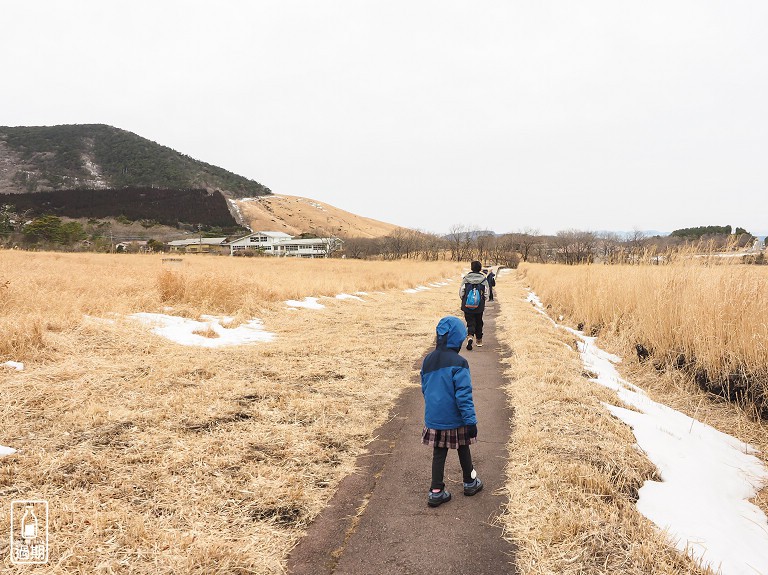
{"x":295,"y":215}
{"x":711,"y":319}
{"x":49,"y":292}
{"x":573,"y":473}
{"x":158,"y":458}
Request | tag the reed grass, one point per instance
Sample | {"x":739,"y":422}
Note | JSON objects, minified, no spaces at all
{"x":43,"y":292}
{"x":574,"y":472}
{"x":711,"y":320}
{"x":158,"y":458}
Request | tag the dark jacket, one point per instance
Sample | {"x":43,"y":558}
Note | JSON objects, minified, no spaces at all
{"x":491,"y":278}
{"x":445,"y":380}
{"x":482,"y":283}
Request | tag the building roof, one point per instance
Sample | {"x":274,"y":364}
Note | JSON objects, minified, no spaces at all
{"x":198,"y":241}
{"x":305,"y":241}
{"x":280,"y":236}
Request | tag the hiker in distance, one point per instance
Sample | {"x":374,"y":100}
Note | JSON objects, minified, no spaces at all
{"x":473,"y":292}
{"x":450,"y":421}
{"x":491,"y":277}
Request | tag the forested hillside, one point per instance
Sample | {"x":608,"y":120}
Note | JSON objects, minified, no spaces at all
{"x":48,"y":158}
{"x":701,"y":231}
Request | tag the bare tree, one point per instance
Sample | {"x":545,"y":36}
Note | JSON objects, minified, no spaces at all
{"x":506,"y":253}
{"x":635,"y":246}
{"x":525,"y":241}
{"x":455,"y":238}
{"x":483,"y":245}
{"x":608,"y":246}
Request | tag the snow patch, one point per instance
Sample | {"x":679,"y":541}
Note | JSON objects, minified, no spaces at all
{"x":707,"y":476}
{"x":349,"y":296}
{"x":416,"y":289}
{"x":307,"y":302}
{"x":182,"y":330}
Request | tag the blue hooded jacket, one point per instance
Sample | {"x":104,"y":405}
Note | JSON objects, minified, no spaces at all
{"x":445,"y":380}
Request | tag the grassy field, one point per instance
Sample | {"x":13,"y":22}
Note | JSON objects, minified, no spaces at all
{"x":709,"y":320}
{"x":573,"y":471}
{"x":159,"y":458}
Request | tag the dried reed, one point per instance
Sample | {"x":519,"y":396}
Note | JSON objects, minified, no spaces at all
{"x":157,"y":458}
{"x":711,"y":320}
{"x":573,"y":472}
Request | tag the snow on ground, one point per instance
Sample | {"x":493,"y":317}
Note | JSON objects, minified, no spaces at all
{"x":707,"y":476}
{"x":416,"y":289}
{"x":182,"y":330}
{"x":349,"y":296}
{"x":307,"y":302}
{"x":432,"y":285}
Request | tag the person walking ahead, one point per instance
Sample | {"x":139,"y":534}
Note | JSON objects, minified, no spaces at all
{"x":450,"y":421}
{"x":491,"y":278}
{"x":474,"y":315}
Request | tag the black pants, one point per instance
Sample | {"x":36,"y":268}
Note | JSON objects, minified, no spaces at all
{"x":438,"y":465}
{"x":474,"y":324}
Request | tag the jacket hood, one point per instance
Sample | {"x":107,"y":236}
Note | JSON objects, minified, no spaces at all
{"x":474,"y":278}
{"x":451,"y":332}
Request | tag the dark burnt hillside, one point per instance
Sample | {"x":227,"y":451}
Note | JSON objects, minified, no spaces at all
{"x":167,"y":207}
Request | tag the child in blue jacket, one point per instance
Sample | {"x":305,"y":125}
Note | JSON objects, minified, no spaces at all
{"x":449,"y":412}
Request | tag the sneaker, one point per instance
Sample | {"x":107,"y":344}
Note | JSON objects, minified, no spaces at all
{"x":438,"y":498}
{"x":469,"y":344}
{"x":473,"y":487}
{"x":479,"y":343}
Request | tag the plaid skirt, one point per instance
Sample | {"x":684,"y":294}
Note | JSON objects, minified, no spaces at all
{"x":450,"y":438}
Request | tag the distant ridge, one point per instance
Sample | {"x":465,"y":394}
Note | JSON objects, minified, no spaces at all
{"x":92,"y":171}
{"x":296,"y":215}
{"x":97,"y":156}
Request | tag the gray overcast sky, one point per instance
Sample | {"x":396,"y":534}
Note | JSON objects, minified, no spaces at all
{"x":596,"y":114}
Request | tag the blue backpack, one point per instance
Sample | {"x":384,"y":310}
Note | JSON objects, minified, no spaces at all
{"x":472,"y":296}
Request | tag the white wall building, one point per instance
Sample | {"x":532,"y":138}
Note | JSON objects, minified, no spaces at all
{"x":282,"y":244}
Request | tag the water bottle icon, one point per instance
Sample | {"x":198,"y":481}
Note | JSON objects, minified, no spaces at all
{"x":29,"y":524}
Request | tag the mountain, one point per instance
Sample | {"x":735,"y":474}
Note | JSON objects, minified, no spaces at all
{"x":98,"y":172}
{"x":97,"y":156}
{"x":296,"y":215}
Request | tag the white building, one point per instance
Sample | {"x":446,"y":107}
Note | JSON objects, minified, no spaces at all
{"x":282,"y":244}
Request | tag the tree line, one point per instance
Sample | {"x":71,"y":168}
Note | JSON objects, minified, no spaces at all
{"x":461,"y":243}
{"x":572,"y":246}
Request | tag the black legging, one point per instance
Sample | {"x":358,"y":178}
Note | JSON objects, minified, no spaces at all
{"x":474,"y":324}
{"x":438,"y":465}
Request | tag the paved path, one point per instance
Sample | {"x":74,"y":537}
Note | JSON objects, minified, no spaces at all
{"x":379,"y":522}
